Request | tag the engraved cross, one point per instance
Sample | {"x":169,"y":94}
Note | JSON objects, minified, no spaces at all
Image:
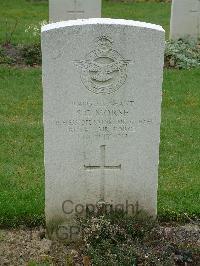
{"x":75,"y":12}
{"x":102,"y":167}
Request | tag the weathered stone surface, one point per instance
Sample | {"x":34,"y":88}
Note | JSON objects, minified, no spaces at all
{"x":61,"y":10}
{"x":185,"y":19}
{"x":102,"y":100}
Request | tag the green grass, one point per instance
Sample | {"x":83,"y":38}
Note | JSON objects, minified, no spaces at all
{"x":157,"y":13}
{"x":32,"y":13}
{"x":21,"y":132}
{"x":179,"y":175}
{"x":21,"y":146}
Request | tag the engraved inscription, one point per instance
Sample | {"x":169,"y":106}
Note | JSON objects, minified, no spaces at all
{"x":104,"y":70}
{"x":103,"y":119}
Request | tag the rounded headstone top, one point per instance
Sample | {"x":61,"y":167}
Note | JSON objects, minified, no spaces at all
{"x":102,"y":21}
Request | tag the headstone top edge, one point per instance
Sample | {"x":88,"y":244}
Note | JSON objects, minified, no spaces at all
{"x":102,"y":21}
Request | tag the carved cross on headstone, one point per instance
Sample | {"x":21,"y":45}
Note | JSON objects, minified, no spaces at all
{"x":102,"y":167}
{"x":197,"y":9}
{"x":197,"y":12}
{"x":75,"y":11}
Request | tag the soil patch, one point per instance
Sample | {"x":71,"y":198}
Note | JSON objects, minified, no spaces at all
{"x":30,"y":247}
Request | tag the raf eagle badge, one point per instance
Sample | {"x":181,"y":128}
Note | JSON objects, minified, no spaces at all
{"x":103,"y":70}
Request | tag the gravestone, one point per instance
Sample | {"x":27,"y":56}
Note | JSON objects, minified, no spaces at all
{"x":61,"y":10}
{"x":102,"y":83}
{"x":185,"y":19}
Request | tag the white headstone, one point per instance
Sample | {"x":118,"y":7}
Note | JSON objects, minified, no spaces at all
{"x":102,"y":82}
{"x":61,"y":10}
{"x":185,"y":19}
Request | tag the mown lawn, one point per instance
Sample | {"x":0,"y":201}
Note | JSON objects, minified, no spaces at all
{"x":179,"y":171}
{"x":21,"y":132}
{"x":21,"y":146}
{"x":24,"y":13}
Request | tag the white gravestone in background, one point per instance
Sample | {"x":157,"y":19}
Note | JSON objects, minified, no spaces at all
{"x":185,"y":19}
{"x":61,"y":10}
{"x":102,"y":82}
